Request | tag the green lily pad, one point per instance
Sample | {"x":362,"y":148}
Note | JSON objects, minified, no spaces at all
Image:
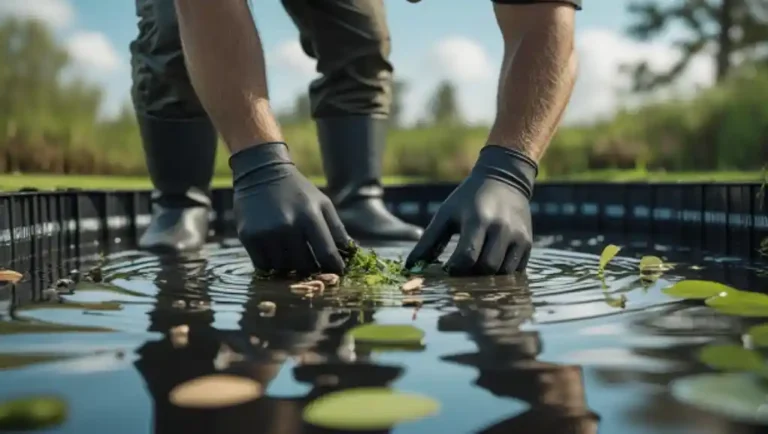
{"x":731,"y":358}
{"x":737,"y":396}
{"x":609,"y":252}
{"x":740,"y":303}
{"x":32,"y":413}
{"x":368,"y":409}
{"x":698,"y":289}
{"x":758,"y":335}
{"x":401,"y":335}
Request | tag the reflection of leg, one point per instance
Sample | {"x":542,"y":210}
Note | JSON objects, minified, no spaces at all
{"x":179,"y":139}
{"x":351,"y":103}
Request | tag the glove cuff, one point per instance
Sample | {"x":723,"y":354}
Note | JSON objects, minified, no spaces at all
{"x":508,"y":166}
{"x":255,"y":158}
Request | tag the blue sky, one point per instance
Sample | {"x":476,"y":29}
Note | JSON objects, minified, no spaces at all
{"x":432,"y":40}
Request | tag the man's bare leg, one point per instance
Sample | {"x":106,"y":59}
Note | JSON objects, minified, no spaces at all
{"x":491,"y":208}
{"x":225,"y":59}
{"x":284,"y":222}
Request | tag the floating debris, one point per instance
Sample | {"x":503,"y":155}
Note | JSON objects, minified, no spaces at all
{"x":412,"y":285}
{"x":215,"y":391}
{"x":461,"y":296}
{"x":317,"y":284}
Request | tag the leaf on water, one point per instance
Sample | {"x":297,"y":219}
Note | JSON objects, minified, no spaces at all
{"x":32,"y":413}
{"x":698,"y":289}
{"x":366,"y":409}
{"x":728,"y":357}
{"x":609,"y":252}
{"x":740,"y":303}
{"x":758,"y":335}
{"x":387,"y":334}
{"x":215,"y":391}
{"x":651,"y":265}
{"x":10,"y":276}
{"x":737,"y":396}
{"x":619,"y":302}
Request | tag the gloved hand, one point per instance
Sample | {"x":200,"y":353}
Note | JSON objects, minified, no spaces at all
{"x":284,"y":222}
{"x":490,"y":210}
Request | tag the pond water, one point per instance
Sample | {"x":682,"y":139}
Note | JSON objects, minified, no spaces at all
{"x":553,"y":352}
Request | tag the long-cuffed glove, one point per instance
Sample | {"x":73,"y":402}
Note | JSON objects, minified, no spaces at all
{"x":490,"y":210}
{"x":284,"y":222}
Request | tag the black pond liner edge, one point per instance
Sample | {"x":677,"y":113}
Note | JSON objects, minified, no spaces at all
{"x":728,"y":219}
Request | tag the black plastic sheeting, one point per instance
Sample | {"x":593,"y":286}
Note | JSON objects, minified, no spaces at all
{"x":728,"y":219}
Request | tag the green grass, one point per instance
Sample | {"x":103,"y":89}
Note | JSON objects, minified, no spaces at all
{"x":639,"y":175}
{"x":51,"y":182}
{"x":93,"y":182}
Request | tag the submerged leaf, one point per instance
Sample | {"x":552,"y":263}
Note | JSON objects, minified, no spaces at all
{"x":740,"y":303}
{"x":32,"y":413}
{"x":736,"y":396}
{"x":387,"y":334}
{"x":698,"y":289}
{"x":731,"y":358}
{"x":362,"y":409}
{"x":609,"y":252}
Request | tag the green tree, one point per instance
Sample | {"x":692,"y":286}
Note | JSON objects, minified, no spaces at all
{"x":444,"y":105}
{"x":731,"y":27}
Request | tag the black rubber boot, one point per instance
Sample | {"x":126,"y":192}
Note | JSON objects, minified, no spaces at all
{"x":352,"y":151}
{"x":180,"y":156}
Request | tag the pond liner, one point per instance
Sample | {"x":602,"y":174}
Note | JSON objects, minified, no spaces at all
{"x":728,"y":219}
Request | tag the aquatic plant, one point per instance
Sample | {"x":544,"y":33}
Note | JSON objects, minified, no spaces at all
{"x":387,"y":335}
{"x":609,"y":252}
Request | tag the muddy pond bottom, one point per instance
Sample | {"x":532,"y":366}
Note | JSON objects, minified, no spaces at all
{"x":556,"y":351}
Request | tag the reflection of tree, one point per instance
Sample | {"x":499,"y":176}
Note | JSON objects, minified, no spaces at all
{"x":313,"y":335}
{"x":506,"y":360}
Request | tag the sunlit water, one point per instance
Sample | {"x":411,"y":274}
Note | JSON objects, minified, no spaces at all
{"x":551,"y":353}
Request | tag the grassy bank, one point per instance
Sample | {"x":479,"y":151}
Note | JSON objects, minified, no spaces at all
{"x":52,"y":182}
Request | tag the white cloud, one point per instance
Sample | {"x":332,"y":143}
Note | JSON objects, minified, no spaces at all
{"x":58,"y":13}
{"x":290,"y":56}
{"x":94,"y":50}
{"x":600,"y":89}
{"x":461,"y":59}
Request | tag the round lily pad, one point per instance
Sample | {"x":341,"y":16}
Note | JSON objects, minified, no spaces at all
{"x":387,"y":334}
{"x":368,"y":409}
{"x":737,"y":396}
{"x":215,"y":391}
{"x":740,"y":303}
{"x":731,"y":358}
{"x":32,"y":413}
{"x":698,"y":289}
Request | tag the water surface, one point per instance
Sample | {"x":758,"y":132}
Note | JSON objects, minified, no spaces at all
{"x":550,"y":352}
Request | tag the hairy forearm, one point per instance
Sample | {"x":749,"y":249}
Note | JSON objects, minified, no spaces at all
{"x":537,"y":75}
{"x":225,"y":59}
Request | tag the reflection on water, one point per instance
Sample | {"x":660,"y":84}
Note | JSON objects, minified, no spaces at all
{"x":546,"y":353}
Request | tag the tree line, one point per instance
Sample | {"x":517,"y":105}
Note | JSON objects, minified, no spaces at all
{"x":49,"y":116}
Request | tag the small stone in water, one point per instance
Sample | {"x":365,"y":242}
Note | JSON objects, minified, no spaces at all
{"x":215,"y":391}
{"x":461,"y":296}
{"x":10,"y":276}
{"x":414,"y":284}
{"x":267,"y":308}
{"x":317,"y":284}
{"x":180,"y":336}
{"x":329,"y":279}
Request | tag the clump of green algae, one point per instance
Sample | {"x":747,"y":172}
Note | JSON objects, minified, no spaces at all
{"x":365,"y":267}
